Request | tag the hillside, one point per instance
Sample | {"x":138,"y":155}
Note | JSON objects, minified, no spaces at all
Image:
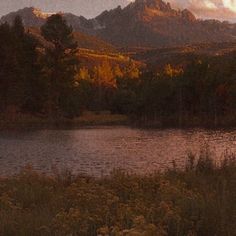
{"x":83,"y":40}
{"x":91,"y":58}
{"x":180,"y":56}
{"x":92,"y":51}
{"x":34,"y":18}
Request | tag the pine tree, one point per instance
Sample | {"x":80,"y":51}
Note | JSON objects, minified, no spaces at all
{"x":5,"y":64}
{"x":60,"y":62}
{"x":30,"y":84}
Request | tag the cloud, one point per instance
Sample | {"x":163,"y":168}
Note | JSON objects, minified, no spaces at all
{"x":218,"y":9}
{"x":230,"y":4}
{"x":206,"y":9}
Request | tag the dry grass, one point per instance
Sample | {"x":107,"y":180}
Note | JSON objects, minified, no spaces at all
{"x":197,"y":201}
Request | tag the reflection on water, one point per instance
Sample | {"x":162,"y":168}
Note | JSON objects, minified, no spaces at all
{"x":97,"y":151}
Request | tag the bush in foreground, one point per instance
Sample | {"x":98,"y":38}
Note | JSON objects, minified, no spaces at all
{"x":199,"y":200}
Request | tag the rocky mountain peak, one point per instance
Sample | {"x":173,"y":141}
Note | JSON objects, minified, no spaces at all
{"x":149,"y":9}
{"x":31,"y":16}
{"x":34,"y":17}
{"x":188,"y":15}
{"x":153,"y":4}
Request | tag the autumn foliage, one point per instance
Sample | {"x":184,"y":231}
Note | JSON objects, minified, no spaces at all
{"x":59,"y":80}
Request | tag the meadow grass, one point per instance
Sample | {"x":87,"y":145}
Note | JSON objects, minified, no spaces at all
{"x":199,"y":200}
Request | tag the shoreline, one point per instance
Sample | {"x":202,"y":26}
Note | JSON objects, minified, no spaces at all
{"x":31,"y":122}
{"x":95,"y":120}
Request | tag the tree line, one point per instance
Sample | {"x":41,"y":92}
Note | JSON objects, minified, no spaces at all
{"x":50,"y":80}
{"x":205,"y":90}
{"x":35,"y":78}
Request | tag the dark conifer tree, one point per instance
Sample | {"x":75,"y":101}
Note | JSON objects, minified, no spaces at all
{"x":20,"y":83}
{"x":5,"y":64}
{"x":60,"y":64}
{"x":30,"y":84}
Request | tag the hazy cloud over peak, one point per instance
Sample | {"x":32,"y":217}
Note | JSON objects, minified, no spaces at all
{"x":219,"y":9}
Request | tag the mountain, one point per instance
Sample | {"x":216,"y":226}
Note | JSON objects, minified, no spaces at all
{"x":154,"y":23}
{"x":88,"y":8}
{"x":84,"y":41}
{"x":33,"y":18}
{"x":143,"y":23}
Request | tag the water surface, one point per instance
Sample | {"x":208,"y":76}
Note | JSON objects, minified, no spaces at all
{"x":96,"y":151}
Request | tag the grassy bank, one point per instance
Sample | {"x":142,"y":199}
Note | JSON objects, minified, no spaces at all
{"x":199,"y":200}
{"x":186,"y":121}
{"x":87,"y":119}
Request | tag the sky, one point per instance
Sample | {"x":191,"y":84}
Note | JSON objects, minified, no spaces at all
{"x":218,"y":9}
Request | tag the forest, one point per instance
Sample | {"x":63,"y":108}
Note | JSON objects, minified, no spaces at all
{"x":49,"y":80}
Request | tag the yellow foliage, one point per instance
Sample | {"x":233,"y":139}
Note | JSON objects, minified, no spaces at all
{"x":171,"y":71}
{"x":84,"y":73}
{"x":103,"y":75}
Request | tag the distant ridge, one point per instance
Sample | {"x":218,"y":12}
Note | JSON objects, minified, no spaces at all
{"x":143,"y":23}
{"x":154,"y":23}
{"x":34,"y":18}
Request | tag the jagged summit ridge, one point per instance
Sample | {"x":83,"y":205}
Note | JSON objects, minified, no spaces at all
{"x":31,"y":16}
{"x":154,"y":23}
{"x":154,"y":4}
{"x":158,"y":8}
{"x":144,"y":11}
{"x":143,"y":23}
{"x":34,"y":17}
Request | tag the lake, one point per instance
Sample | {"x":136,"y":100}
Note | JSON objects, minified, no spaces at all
{"x":97,"y":151}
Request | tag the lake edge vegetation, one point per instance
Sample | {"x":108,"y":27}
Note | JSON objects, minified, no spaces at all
{"x":198,"y":200}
